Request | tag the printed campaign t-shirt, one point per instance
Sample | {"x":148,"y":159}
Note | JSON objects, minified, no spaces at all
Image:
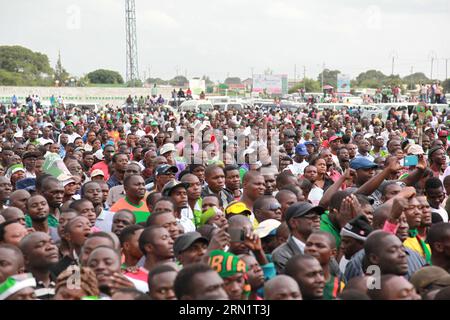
{"x":140,"y":211}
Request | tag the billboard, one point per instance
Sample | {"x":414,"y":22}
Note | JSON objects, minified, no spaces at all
{"x":276,"y":83}
{"x":343,"y":83}
{"x":197,"y":86}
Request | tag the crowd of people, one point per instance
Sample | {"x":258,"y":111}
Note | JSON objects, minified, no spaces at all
{"x":239,"y":205}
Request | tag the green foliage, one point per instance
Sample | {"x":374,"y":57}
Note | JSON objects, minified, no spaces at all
{"x":158,"y":81}
{"x":178,"y":81}
{"x":416,"y":78}
{"x":61,"y":75}
{"x":233,"y":80}
{"x":371,"y":77}
{"x":105,"y":76}
{"x":393,"y":80}
{"x":311,"y":85}
{"x":208,"y":81}
{"x":21,"y":66}
{"x":446,"y":85}
{"x":134,"y":84}
{"x":329,"y":77}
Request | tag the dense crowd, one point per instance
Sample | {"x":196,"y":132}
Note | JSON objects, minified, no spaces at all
{"x":242,"y":205}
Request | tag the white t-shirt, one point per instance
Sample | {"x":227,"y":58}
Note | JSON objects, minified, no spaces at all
{"x":442,"y":212}
{"x":297,"y":168}
{"x":315,"y":195}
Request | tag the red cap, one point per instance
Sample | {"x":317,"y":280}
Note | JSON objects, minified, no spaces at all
{"x":443,"y":133}
{"x":332,"y":138}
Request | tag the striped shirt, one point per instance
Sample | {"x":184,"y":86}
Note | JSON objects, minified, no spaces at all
{"x":45,"y":293}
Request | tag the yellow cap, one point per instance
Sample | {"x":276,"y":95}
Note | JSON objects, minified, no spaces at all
{"x":237,"y":207}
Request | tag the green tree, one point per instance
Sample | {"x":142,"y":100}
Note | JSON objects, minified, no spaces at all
{"x":329,"y":77}
{"x":233,"y":80}
{"x":61,"y":75}
{"x":21,"y":66}
{"x":105,"y":77}
{"x":208,"y":81}
{"x":311,"y":85}
{"x":135,"y":84}
{"x":393,"y":80}
{"x":178,"y":81}
{"x":446,"y":85}
{"x":370,"y":79}
{"x":415,"y":79}
{"x":158,"y":81}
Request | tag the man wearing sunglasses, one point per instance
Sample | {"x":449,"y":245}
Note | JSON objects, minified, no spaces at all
{"x":267,"y":207}
{"x":163,"y":174}
{"x":302,"y":218}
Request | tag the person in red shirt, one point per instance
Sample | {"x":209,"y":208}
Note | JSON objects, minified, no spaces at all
{"x":103,"y":165}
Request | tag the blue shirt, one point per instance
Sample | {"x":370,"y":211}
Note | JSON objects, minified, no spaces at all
{"x":112,"y":182}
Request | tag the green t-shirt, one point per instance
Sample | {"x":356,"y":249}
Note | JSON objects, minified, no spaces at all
{"x":52,"y":221}
{"x":326,"y":225}
{"x":332,"y":288}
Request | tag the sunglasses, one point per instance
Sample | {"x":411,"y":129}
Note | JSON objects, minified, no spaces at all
{"x":273,"y":206}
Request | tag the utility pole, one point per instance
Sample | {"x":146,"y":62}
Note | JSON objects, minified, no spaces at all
{"x":295,"y":74}
{"x":323,"y":69}
{"x":304,"y":78}
{"x":412,"y":80}
{"x":394,"y":56}
{"x":393,"y":62}
{"x":251,"y":89}
{"x":431,"y":73}
{"x":433,"y":56}
{"x":446,"y":70}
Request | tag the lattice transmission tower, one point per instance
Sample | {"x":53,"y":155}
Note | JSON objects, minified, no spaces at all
{"x":132,"y":56}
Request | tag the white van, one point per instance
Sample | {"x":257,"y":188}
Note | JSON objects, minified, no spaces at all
{"x":232,"y":106}
{"x":196,"y":106}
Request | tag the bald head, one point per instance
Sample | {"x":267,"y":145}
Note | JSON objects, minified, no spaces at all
{"x":188,"y":177}
{"x":211,"y":170}
{"x":12,"y":257}
{"x":250,"y":176}
{"x":27,"y":243}
{"x":328,"y":237}
{"x":18,"y":195}
{"x":239,"y":221}
{"x":282,"y":287}
{"x":12,"y":214}
{"x":380,"y":215}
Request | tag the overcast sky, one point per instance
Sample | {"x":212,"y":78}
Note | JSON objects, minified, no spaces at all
{"x":229,"y":37}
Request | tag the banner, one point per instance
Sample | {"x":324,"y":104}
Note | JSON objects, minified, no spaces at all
{"x":197,"y":86}
{"x":270,"y":84}
{"x":343,"y":83}
{"x":55,"y":166}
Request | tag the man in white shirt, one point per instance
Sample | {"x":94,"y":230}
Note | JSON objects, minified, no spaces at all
{"x":363,"y":150}
{"x":46,"y":135}
{"x":70,"y":133}
{"x":299,"y":163}
{"x":177,"y":191}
